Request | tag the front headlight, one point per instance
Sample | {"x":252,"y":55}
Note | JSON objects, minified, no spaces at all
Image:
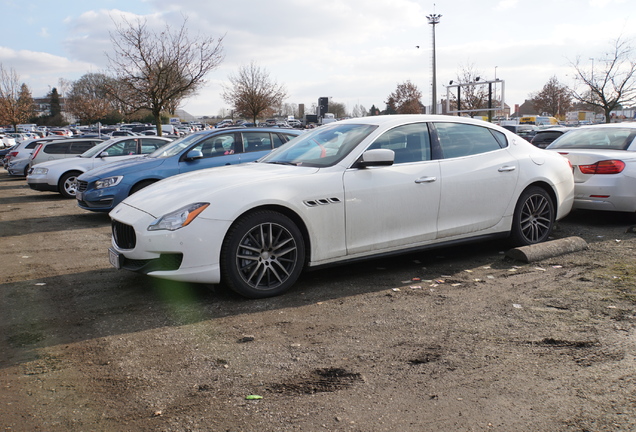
{"x":179,"y":218}
{"x":108,"y":182}
{"x":40,"y":171}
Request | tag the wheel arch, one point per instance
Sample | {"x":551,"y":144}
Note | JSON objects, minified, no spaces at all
{"x":145,"y":182}
{"x":70,"y":171}
{"x":547,"y":187}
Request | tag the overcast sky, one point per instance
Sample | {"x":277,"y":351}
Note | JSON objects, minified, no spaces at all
{"x":354,"y":51}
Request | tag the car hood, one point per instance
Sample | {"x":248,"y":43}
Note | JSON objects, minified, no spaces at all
{"x":177,"y":191}
{"x":122,"y":167}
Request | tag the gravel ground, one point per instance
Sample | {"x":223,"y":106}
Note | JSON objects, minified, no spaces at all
{"x":456,"y":339}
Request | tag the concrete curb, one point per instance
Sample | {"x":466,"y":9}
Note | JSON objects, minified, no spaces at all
{"x":548,"y":249}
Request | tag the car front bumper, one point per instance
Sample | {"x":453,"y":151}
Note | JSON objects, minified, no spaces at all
{"x":194,"y":249}
{"x":41,"y":184}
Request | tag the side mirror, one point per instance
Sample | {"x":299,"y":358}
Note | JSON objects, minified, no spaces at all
{"x":103,"y":154}
{"x":194,"y":154}
{"x":375,"y":157}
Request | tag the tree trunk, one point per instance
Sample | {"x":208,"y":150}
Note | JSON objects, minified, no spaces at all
{"x":157,"y":116}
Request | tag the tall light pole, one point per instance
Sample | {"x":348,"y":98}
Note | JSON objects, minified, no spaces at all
{"x":433,"y":19}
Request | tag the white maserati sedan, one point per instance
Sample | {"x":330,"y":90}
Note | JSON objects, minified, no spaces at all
{"x":349,"y":190}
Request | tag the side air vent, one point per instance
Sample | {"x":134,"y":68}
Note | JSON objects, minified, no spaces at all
{"x":321,"y":201}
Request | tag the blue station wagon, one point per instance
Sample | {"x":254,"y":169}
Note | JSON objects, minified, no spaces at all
{"x":103,"y":188}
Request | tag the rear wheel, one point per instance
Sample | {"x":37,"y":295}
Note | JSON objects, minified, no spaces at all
{"x":67,"y":186}
{"x":263,"y":255}
{"x":534,"y":217}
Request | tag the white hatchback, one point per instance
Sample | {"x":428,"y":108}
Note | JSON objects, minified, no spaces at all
{"x":61,"y":175}
{"x":349,"y":190}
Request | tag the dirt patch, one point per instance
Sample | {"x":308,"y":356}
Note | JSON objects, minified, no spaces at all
{"x":459,"y":339}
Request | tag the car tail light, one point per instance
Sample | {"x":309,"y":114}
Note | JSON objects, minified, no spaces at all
{"x":603,"y":167}
{"x":37,"y":150}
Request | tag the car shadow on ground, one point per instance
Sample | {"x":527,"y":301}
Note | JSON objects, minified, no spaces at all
{"x":53,"y":224}
{"x":77,"y":307}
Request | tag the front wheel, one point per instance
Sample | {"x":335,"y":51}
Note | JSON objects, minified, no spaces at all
{"x":533,"y":218}
{"x":68,"y":184}
{"x":263,"y":255}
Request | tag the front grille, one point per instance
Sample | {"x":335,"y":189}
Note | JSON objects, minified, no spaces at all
{"x":82,"y":185}
{"x":124,"y":235}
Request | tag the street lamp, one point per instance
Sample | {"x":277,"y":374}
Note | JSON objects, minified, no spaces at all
{"x":433,"y":19}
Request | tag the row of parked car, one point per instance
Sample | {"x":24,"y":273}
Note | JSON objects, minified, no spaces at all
{"x":344,"y":191}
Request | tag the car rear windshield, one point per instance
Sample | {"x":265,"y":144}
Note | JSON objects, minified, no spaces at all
{"x":602,"y":138}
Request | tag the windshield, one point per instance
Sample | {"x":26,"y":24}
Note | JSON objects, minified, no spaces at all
{"x":176,"y":147}
{"x":604,"y":138}
{"x":321,"y":147}
{"x":96,"y":150}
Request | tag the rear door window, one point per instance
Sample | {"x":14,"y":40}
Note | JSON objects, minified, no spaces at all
{"x":57,"y":148}
{"x":148,"y":145}
{"x":81,"y":147}
{"x":459,"y":140}
{"x":256,"y":141}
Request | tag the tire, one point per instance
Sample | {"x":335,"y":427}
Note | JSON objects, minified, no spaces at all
{"x":67,"y":186}
{"x":250,"y":264}
{"x":139,"y":186}
{"x":533,"y":218}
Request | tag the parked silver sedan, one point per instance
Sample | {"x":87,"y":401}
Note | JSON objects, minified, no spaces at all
{"x":604,"y":165}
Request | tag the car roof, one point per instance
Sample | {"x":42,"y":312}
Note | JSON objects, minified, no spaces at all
{"x":402,"y":118}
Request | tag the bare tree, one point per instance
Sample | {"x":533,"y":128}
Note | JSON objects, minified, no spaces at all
{"x":610,"y":84}
{"x":338,"y":109}
{"x":158,"y":70}
{"x":252,"y":92}
{"x":359,"y":111}
{"x":406,"y":99}
{"x":16,"y":102}
{"x":89,"y":98}
{"x":554,"y":99}
{"x":64,"y":86}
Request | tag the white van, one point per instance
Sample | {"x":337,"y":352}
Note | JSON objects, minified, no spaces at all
{"x":169,"y":129}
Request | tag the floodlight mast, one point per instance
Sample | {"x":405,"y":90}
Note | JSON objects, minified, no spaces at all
{"x":433,"y":19}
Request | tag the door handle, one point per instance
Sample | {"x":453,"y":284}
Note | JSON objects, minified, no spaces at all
{"x":425,"y":180}
{"x":507,"y":168}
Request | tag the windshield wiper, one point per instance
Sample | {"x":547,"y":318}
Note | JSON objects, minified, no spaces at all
{"x":283,"y":163}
